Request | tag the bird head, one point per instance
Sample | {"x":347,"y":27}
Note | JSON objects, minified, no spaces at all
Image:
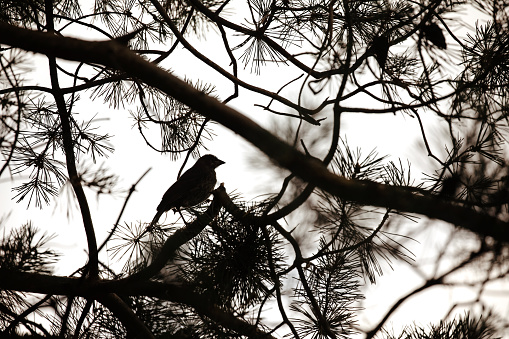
{"x":209,"y":161}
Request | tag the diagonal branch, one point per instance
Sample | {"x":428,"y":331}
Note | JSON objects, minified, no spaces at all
{"x":126,"y":315}
{"x":114,"y":55}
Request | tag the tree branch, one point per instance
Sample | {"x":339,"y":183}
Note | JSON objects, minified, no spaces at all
{"x":106,"y":291}
{"x":126,"y":315}
{"x":68,"y":142}
{"x":114,"y":55}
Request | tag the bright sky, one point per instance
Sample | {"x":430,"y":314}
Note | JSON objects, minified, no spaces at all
{"x":395,"y":135}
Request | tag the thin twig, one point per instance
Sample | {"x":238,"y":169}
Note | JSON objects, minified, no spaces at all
{"x":131,"y":191}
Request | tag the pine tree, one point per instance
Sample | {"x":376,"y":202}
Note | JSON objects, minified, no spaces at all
{"x":297,"y":260}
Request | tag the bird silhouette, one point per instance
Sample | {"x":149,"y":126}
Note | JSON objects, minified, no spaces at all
{"x":380,"y":49}
{"x":192,"y":188}
{"x":434,"y":34}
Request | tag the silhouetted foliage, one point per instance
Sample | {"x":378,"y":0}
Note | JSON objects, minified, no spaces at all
{"x":299,"y":260}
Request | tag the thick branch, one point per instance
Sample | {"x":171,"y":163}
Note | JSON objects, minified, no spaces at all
{"x":102,"y":290}
{"x":126,"y":315}
{"x":119,"y":57}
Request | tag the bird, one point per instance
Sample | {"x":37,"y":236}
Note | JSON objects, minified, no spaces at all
{"x":380,"y":49}
{"x":192,"y":188}
{"x":434,"y":34}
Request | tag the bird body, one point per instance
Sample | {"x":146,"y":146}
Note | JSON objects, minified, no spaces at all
{"x":434,"y":34}
{"x":380,"y":48}
{"x":192,"y":188}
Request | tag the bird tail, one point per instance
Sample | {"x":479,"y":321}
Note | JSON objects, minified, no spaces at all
{"x":155,"y":219}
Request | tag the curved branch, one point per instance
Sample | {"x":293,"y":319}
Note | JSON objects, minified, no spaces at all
{"x":305,"y":113}
{"x":427,"y":284}
{"x":68,"y":142}
{"x":105,"y":291}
